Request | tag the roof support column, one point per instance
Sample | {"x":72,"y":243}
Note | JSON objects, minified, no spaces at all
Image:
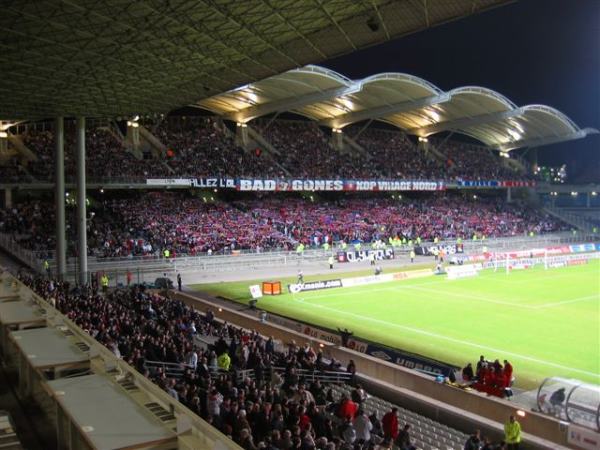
{"x":81,"y":203}
{"x":508,"y":195}
{"x":59,"y":198}
{"x":8,"y":198}
{"x":588,"y":200}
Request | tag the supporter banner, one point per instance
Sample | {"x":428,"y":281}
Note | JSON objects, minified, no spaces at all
{"x":337,"y":185}
{"x":334,"y":338}
{"x":386,"y":277}
{"x":408,"y":360}
{"x":314,"y":286}
{"x":580,"y":248}
{"x":494,"y":183}
{"x":359,"y":281}
{"x":260,"y":184}
{"x":577,"y":262}
{"x":298,"y":184}
{"x":463,"y":271}
{"x":365,"y":255}
{"x":449,"y":249}
{"x":169,"y":181}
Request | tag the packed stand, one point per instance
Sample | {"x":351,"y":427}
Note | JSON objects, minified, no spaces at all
{"x":270,"y":409}
{"x":473,"y":162}
{"x":307,"y":153}
{"x":155,"y":222}
{"x":393,"y":155}
{"x":106,"y":157}
{"x":198,"y":148}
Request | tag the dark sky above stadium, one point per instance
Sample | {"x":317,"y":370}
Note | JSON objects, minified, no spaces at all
{"x":532,"y":51}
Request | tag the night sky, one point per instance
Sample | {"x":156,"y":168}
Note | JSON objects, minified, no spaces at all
{"x":532,"y":51}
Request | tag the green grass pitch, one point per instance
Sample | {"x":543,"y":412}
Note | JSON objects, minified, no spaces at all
{"x":546,"y":322}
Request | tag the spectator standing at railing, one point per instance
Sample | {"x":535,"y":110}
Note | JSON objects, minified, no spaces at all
{"x":104,"y":282}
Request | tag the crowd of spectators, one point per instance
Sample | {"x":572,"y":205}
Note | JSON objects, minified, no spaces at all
{"x":198,"y":148}
{"x":106,"y":157}
{"x":393,"y":155}
{"x":202,"y":147}
{"x":150,"y":223}
{"x":473,"y":162}
{"x":274,"y":410}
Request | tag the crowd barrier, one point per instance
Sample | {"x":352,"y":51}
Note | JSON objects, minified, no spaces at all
{"x":147,"y":268}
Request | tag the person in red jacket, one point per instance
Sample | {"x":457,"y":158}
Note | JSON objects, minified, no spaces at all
{"x":347,"y":408}
{"x":508,"y":371}
{"x":389,"y":424}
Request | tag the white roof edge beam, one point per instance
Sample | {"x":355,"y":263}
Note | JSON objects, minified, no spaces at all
{"x":539,"y":142}
{"x":384,"y":110}
{"x":465,"y":122}
{"x":290,"y":103}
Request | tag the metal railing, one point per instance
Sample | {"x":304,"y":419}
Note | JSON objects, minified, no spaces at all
{"x":146,"y":269}
{"x":177,"y":370}
{"x":576,"y":220}
{"x":27,"y":257}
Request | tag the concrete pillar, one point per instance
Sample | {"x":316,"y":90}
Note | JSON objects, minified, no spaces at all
{"x":241,"y":134}
{"x":59,"y":198}
{"x":81,"y":202}
{"x":337,"y":139}
{"x":508,"y":195}
{"x":588,"y":200}
{"x":8,"y":198}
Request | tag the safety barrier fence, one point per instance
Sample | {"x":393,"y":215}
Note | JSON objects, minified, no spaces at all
{"x":177,"y":370}
{"x":146,"y":269}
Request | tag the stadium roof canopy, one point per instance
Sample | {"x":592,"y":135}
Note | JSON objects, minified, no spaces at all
{"x":114,"y":58}
{"x":406,"y":101}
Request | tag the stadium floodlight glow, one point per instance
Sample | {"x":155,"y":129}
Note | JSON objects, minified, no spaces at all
{"x":574,"y":194}
{"x":594,"y":193}
{"x":3,"y":134}
{"x":514,"y":134}
{"x":423,"y":139}
{"x":136,"y":118}
{"x":520,"y":413}
{"x":506,"y":155}
{"x":241,"y":124}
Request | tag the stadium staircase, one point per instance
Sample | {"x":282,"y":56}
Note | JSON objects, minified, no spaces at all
{"x":22,"y":151}
{"x":573,"y":218}
{"x":426,"y":434}
{"x":258,"y":140}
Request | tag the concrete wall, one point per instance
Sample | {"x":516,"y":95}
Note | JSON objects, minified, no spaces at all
{"x":409,"y":388}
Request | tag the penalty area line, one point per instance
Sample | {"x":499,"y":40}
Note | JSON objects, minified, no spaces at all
{"x":450,"y":339}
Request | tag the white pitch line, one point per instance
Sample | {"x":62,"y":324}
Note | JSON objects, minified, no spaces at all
{"x":565,"y":302}
{"x":450,"y":339}
{"x":474,"y":297}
